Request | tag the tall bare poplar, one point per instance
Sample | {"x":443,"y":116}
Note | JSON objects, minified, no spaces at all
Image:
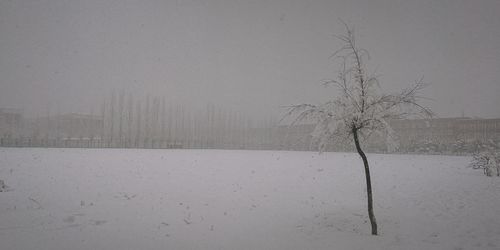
{"x":120,"y":118}
{"x":112,"y":118}
{"x":138,"y":115}
{"x":130,"y":118}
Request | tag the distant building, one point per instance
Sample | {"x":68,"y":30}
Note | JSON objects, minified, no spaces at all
{"x":71,"y":125}
{"x":296,"y":137}
{"x":11,"y":121}
{"x":447,"y":130}
{"x":411,"y":132}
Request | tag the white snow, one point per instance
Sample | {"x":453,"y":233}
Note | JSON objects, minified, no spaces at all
{"x":215,"y":199}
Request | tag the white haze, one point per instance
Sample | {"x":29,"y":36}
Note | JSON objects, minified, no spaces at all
{"x":252,"y":56}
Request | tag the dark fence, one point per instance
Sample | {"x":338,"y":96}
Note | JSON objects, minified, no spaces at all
{"x":86,"y":143}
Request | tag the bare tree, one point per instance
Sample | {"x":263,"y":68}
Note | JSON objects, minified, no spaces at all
{"x":103,"y":120}
{"x":361,"y":109}
{"x":138,"y":115}
{"x":120,"y":118}
{"x":130,"y":118}
{"x":112,"y":118}
{"x":155,"y":118}
{"x":162,"y":121}
{"x":147,"y":124}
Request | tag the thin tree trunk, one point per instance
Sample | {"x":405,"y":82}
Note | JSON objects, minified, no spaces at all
{"x":112,"y":118}
{"x":120,"y":116}
{"x":373,"y":221}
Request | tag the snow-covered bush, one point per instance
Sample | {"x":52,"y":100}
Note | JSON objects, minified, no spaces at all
{"x":475,"y":146}
{"x":488,"y":161}
{"x":459,"y":146}
{"x":428,"y":146}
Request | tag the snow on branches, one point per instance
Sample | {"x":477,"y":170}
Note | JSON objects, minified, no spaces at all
{"x":361,"y":105}
{"x":488,"y":161}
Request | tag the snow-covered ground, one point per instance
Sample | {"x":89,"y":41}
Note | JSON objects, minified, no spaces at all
{"x":215,"y":199}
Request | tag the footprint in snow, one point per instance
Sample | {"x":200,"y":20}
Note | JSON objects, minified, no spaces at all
{"x":69,"y":219}
{"x":98,"y":222}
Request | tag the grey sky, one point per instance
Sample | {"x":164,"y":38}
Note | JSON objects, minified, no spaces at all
{"x":249,"y":55}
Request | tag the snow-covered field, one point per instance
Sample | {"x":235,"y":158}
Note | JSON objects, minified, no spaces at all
{"x":215,"y":199}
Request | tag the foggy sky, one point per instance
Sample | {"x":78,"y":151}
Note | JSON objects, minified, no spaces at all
{"x":253,"y":56}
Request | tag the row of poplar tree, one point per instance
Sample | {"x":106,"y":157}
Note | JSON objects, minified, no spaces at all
{"x":127,"y":121}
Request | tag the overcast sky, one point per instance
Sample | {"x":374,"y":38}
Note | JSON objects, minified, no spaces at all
{"x":253,"y":56}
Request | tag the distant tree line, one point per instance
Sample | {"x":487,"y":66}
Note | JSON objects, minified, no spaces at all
{"x":152,"y":122}
{"x":125,"y":121}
